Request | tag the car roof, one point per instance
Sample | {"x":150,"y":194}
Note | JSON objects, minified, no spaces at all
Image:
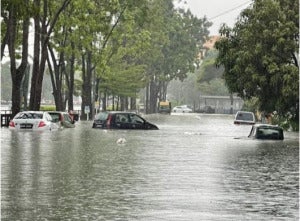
{"x":266,"y":126}
{"x":117,"y":112}
{"x":55,"y":112}
{"x":37,"y":112}
{"x":245,"y":112}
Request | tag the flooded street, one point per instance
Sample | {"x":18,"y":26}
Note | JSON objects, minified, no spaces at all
{"x":190,"y":169}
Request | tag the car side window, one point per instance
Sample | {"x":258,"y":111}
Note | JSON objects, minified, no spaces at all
{"x":121,"y":118}
{"x":136,"y":119}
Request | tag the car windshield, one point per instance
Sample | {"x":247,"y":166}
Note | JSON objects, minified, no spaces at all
{"x":29,"y":116}
{"x":67,"y":118}
{"x":101,"y":116}
{"x":244,"y":116}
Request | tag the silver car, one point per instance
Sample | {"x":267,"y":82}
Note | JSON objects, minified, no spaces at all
{"x":244,"y":117}
{"x":182,"y":109}
{"x":32,"y":120}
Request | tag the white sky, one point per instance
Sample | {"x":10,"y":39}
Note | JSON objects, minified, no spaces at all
{"x":218,"y":11}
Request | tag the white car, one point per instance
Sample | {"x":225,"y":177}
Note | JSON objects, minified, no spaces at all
{"x":244,"y":117}
{"x":32,"y":120}
{"x":182,"y":109}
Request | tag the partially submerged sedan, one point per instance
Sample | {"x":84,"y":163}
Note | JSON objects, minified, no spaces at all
{"x":121,"y":120}
{"x":266,"y":131}
{"x":62,"y":118}
{"x":32,"y":120}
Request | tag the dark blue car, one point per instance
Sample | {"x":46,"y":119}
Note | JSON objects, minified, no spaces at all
{"x":121,"y":120}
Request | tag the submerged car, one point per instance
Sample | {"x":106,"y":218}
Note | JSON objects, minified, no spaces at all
{"x":32,"y":120}
{"x":121,"y":120}
{"x":182,"y":109}
{"x":266,"y":131}
{"x":62,"y":118}
{"x":244,"y":117}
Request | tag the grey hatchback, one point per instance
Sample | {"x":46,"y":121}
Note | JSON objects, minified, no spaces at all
{"x":62,"y":118}
{"x":121,"y":120}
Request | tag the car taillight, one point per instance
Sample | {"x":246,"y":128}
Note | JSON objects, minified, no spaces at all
{"x":108,"y":121}
{"x":11,"y":124}
{"x":42,"y":124}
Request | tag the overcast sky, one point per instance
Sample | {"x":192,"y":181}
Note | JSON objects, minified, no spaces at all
{"x":218,"y":11}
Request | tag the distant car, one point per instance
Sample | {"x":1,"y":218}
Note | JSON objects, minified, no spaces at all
{"x":32,"y":120}
{"x":121,"y":120}
{"x":244,"y":117}
{"x":62,"y":118}
{"x":182,"y":109}
{"x":266,"y":131}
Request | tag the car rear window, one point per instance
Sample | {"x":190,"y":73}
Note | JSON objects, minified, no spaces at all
{"x":101,"y":116}
{"x":269,"y":133}
{"x":55,"y":116}
{"x":29,"y":116}
{"x":245,"y":116}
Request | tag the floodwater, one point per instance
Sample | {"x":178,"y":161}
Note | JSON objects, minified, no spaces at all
{"x":190,"y":169}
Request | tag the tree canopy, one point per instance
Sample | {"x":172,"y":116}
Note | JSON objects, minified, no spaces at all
{"x":111,"y":47}
{"x":260,"y":56}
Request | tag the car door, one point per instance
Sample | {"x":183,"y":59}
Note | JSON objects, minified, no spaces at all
{"x":122,"y":121}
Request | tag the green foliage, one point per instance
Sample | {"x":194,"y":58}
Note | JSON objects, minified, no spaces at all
{"x":47,"y":108}
{"x":260,"y":56}
{"x":130,"y":43}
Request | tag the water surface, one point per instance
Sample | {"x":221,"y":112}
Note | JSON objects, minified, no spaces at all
{"x":190,"y":169}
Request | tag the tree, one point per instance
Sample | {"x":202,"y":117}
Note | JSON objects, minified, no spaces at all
{"x":16,"y":17}
{"x":45,"y":18}
{"x":124,"y":71}
{"x":260,"y":56}
{"x":175,"y":49}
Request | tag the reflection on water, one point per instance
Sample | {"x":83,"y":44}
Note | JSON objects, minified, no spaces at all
{"x":190,"y":169}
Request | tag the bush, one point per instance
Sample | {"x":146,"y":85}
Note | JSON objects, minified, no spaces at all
{"x":48,"y":108}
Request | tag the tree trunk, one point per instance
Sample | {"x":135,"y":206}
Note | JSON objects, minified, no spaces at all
{"x":86,"y":85}
{"x":147,"y":99}
{"x":36,"y":57}
{"x":104,"y":101}
{"x":17,"y":74}
{"x":71,"y":83}
{"x":57,"y":78}
{"x":132,"y":103}
{"x":41,"y":40}
{"x":154,"y":89}
{"x":231,"y":103}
